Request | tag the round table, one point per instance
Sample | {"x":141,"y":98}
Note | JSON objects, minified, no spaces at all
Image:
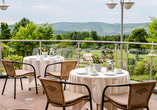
{"x":97,"y":84}
{"x":41,"y":64}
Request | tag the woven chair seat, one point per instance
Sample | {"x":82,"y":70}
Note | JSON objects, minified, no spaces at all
{"x":73,"y":96}
{"x":121,"y":99}
{"x":23,"y":73}
{"x":54,"y":74}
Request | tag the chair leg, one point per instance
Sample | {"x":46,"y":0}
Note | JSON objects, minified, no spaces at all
{"x":65,"y":85}
{"x":63,"y":107}
{"x":15,"y":88}
{"x":47,"y":105}
{"x":21,"y":84}
{"x":102,"y":106}
{"x":4,"y":85}
{"x":147,"y":108}
{"x":36,"y":85}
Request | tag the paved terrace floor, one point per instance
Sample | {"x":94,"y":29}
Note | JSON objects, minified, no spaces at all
{"x":38,"y":101}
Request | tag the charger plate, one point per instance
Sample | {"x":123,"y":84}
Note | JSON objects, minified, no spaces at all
{"x":82,"y":72}
{"x":111,"y":73}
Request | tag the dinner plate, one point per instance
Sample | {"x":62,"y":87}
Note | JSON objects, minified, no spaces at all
{"x":52,"y":58}
{"x":32,"y":58}
{"x":93,"y":74}
{"x":82,"y":72}
{"x":110,"y":73}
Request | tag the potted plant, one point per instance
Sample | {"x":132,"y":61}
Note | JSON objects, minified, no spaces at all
{"x":97,"y":63}
{"x":44,"y":52}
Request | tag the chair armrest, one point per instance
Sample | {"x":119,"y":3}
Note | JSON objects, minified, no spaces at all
{"x":50,"y":65}
{"x":79,"y":84}
{"x":26,"y":64}
{"x":17,"y":64}
{"x":113,"y":85}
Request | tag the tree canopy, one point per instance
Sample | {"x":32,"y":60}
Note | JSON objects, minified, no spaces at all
{"x":23,"y":22}
{"x":5,"y":31}
{"x":153,"y":30}
{"x":138,"y":35}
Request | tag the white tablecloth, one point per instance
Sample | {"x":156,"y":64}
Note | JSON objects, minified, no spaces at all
{"x":41,"y":64}
{"x":98,"y":83}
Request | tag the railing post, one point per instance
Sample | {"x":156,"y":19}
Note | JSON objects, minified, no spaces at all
{"x":116,"y":54}
{"x":40,"y":47}
{"x":0,"y":58}
{"x":127,"y":52}
{"x":78,"y":49}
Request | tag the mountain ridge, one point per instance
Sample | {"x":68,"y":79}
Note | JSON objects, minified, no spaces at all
{"x":100,"y":27}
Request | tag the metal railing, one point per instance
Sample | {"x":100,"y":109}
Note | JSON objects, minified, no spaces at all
{"x":78,"y":48}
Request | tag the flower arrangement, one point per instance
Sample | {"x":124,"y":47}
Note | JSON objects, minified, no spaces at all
{"x":44,"y":50}
{"x":96,"y":59}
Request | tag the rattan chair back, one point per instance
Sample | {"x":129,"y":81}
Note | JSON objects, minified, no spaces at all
{"x":9,"y":67}
{"x":54,"y":91}
{"x":139,"y":94}
{"x":66,"y":67}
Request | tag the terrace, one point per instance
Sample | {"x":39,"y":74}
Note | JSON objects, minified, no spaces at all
{"x":28,"y":99}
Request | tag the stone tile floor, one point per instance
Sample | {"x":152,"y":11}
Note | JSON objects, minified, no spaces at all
{"x":29,"y":99}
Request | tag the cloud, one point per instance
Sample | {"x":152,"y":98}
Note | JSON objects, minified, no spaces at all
{"x":40,"y":7}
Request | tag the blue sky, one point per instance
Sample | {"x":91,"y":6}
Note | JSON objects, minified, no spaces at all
{"x":52,"y":11}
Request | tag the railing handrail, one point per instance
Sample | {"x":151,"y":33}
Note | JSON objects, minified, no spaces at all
{"x":112,"y":42}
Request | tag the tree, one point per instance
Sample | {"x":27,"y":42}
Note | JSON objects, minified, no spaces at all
{"x":87,"y":44}
{"x":25,"y":33}
{"x":153,"y":30}
{"x":93,"y":35}
{"x":23,"y":22}
{"x":45,"y":32}
{"x":138,"y":35}
{"x":5,"y":31}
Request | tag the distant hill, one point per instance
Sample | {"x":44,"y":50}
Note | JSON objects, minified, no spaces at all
{"x":101,"y":28}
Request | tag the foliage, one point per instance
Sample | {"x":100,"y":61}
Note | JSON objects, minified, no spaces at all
{"x":25,"y":33}
{"x":93,"y":35}
{"x":87,"y":44}
{"x":137,"y":35}
{"x":147,"y":66}
{"x":5,"y":50}
{"x":23,"y":22}
{"x":139,"y":68}
{"x":15,"y":58}
{"x":96,"y":59}
{"x":31,"y":32}
{"x":142,"y":78}
{"x":131,"y":61}
{"x":5,"y":31}
{"x":44,"y":32}
{"x":153,"y":30}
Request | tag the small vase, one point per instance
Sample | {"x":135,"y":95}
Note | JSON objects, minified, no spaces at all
{"x":97,"y":66}
{"x":44,"y":54}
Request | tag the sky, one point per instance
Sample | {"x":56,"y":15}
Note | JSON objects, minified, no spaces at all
{"x":53,"y":11}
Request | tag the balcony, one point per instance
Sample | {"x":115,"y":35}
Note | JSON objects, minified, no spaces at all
{"x":28,"y":99}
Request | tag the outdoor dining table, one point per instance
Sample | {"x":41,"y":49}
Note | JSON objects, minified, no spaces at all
{"x":40,"y":65}
{"x":97,"y":83}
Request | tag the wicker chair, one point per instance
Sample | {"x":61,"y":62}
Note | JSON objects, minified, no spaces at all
{"x":137,"y":98}
{"x":56,"y":96}
{"x":17,"y":74}
{"x":66,"y":67}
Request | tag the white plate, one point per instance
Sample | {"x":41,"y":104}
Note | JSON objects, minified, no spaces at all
{"x":32,"y":58}
{"x":52,"y":58}
{"x":82,"y":73}
{"x":119,"y":72}
{"x":110,"y":73}
{"x":93,"y":74}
